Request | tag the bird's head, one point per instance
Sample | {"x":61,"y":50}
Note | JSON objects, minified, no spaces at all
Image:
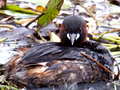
{"x":73,"y":31}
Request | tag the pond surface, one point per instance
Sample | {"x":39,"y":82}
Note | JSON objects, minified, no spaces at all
{"x":108,"y":16}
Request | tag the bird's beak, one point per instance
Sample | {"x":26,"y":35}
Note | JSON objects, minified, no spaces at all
{"x":72,"y":37}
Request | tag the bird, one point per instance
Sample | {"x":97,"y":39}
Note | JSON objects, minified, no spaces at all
{"x":116,"y":2}
{"x":61,"y":64}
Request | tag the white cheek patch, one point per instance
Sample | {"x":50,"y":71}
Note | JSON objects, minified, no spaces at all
{"x":78,"y":35}
{"x":68,"y":36}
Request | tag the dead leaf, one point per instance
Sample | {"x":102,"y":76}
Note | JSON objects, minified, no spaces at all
{"x":39,"y":8}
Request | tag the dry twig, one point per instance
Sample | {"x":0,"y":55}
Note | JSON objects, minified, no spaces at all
{"x":115,"y":30}
{"x":98,"y":63}
{"x":7,"y":26}
{"x":90,"y":13}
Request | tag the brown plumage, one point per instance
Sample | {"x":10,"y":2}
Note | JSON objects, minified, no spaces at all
{"x":62,"y":64}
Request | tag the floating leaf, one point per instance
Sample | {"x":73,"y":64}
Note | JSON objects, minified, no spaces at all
{"x":53,"y":37}
{"x":112,"y":39}
{"x":17,"y":8}
{"x":24,"y":21}
{"x":66,"y":4}
{"x":100,"y":36}
{"x":14,"y":13}
{"x":42,"y":3}
{"x":2,"y":40}
{"x":36,"y":2}
{"x":112,"y":47}
{"x":51,"y":11}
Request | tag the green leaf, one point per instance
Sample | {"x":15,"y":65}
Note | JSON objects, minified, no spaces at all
{"x":66,"y":4}
{"x":112,"y":39}
{"x":17,"y":8}
{"x":51,"y":11}
{"x":100,"y":36}
{"x":13,"y":13}
{"x":2,"y":40}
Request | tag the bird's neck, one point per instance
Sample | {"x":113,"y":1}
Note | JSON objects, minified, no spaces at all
{"x":76,"y":44}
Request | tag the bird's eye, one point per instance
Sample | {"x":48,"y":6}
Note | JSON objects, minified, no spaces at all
{"x":79,"y":30}
{"x":78,"y":35}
